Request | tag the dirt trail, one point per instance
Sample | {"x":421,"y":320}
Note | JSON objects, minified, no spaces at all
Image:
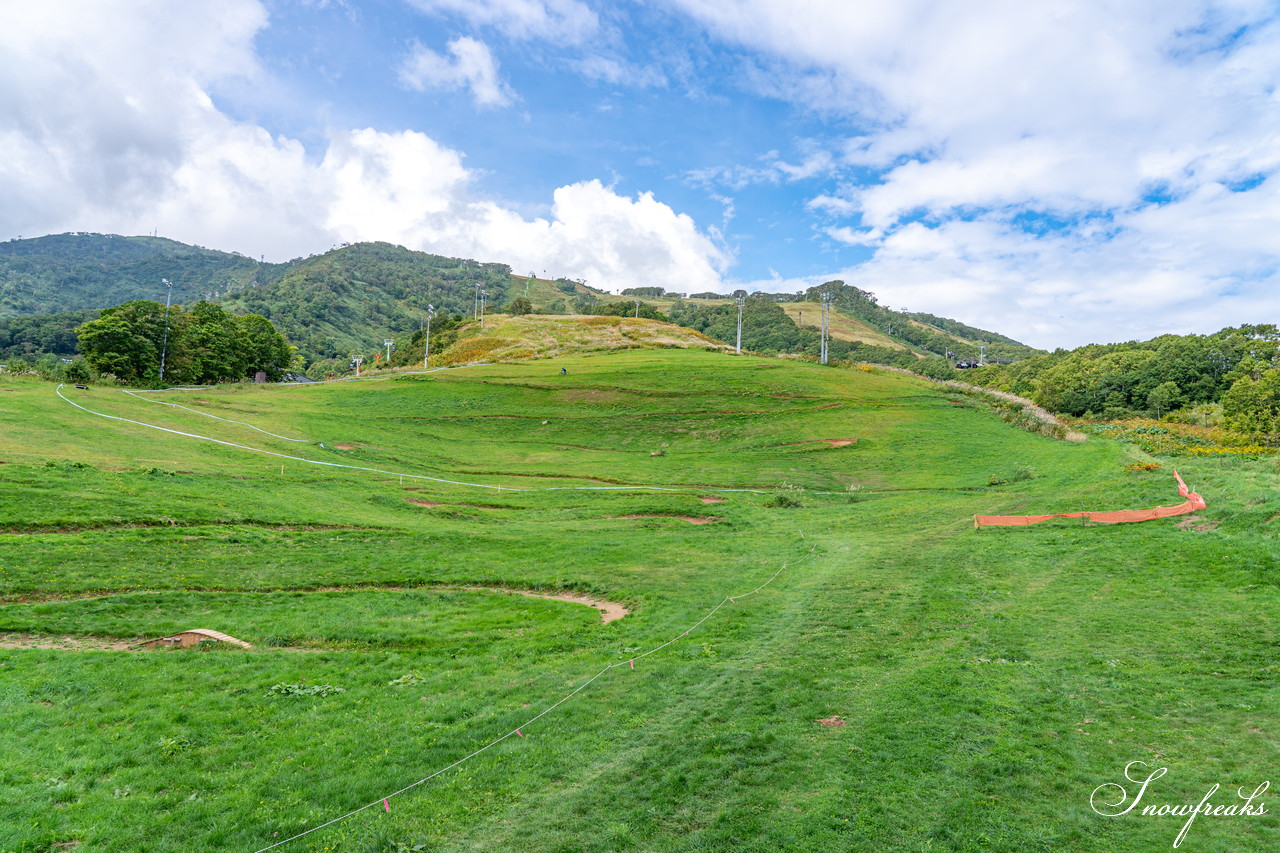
{"x":692,"y":519}
{"x":609,"y":611}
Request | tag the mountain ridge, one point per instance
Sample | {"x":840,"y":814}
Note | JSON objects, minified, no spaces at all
{"x":349,"y":299}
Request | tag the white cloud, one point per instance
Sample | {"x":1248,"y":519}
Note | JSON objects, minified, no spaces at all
{"x":472,"y":66}
{"x":1017,"y":150}
{"x":108,"y":126}
{"x":561,"y":21}
{"x":615,"y":71}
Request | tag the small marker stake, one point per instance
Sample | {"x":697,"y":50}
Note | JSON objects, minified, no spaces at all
{"x":632,"y":662}
{"x":520,"y":733}
{"x":386,"y":805}
{"x":731,"y":601}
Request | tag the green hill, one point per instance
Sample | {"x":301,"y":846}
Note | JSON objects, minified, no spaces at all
{"x":836,"y":661}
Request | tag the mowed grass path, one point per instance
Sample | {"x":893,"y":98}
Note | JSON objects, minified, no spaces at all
{"x":988,"y":681}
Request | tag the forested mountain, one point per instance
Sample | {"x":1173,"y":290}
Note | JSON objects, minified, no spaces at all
{"x":77,"y":271}
{"x":346,"y":300}
{"x":350,"y":299}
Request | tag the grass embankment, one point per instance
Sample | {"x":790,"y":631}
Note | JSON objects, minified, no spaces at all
{"x":507,"y":338}
{"x":988,"y":681}
{"x":842,"y":325}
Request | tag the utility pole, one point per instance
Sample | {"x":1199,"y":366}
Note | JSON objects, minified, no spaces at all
{"x":164,"y":345}
{"x":426,"y":349}
{"x":484,"y":295}
{"x":637,"y":308}
{"x":982,"y":355}
{"x":475,"y":311}
{"x":387,"y":343}
{"x":359,"y":360}
{"x":826,"y":323}
{"x":741,"y":302}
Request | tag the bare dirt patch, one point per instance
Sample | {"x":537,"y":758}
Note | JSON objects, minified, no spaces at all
{"x":420,"y":502}
{"x":609,"y":610}
{"x":830,"y":442}
{"x":66,"y":644}
{"x":832,"y":722}
{"x":1197,"y":525}
{"x":710,"y":499}
{"x":344,"y":446}
{"x":692,"y":519}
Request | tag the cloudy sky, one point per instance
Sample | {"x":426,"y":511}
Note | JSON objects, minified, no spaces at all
{"x":1062,"y":172}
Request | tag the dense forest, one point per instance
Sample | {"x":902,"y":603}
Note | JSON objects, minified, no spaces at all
{"x":69,"y":272}
{"x":1238,"y":368}
{"x":42,"y":334}
{"x":346,"y":301}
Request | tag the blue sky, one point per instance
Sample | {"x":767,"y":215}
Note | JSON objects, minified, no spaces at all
{"x":1063,"y":173}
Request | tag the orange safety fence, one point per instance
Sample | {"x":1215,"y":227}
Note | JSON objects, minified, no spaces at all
{"x":1192,"y":503}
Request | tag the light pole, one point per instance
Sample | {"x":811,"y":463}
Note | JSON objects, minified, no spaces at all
{"x":637,"y":309}
{"x":475,"y":311}
{"x":164,"y":345}
{"x":826,"y":323}
{"x":741,"y":302}
{"x":484,"y":296}
{"x":426,"y":350}
{"x":387,"y":343}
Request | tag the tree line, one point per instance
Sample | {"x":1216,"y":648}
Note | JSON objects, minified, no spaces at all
{"x":1237,"y":368}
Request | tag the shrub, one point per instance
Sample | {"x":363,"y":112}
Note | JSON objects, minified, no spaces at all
{"x":1023,"y":472}
{"x":305,"y":690}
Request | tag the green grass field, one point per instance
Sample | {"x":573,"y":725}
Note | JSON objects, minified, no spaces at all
{"x":988,"y":681}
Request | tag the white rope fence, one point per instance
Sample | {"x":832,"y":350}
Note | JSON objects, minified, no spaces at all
{"x":138,"y":395}
{"x":366,"y":469}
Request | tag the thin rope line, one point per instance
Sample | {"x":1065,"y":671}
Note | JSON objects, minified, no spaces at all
{"x":58,"y":391}
{"x":540,"y":715}
{"x":138,"y":395}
